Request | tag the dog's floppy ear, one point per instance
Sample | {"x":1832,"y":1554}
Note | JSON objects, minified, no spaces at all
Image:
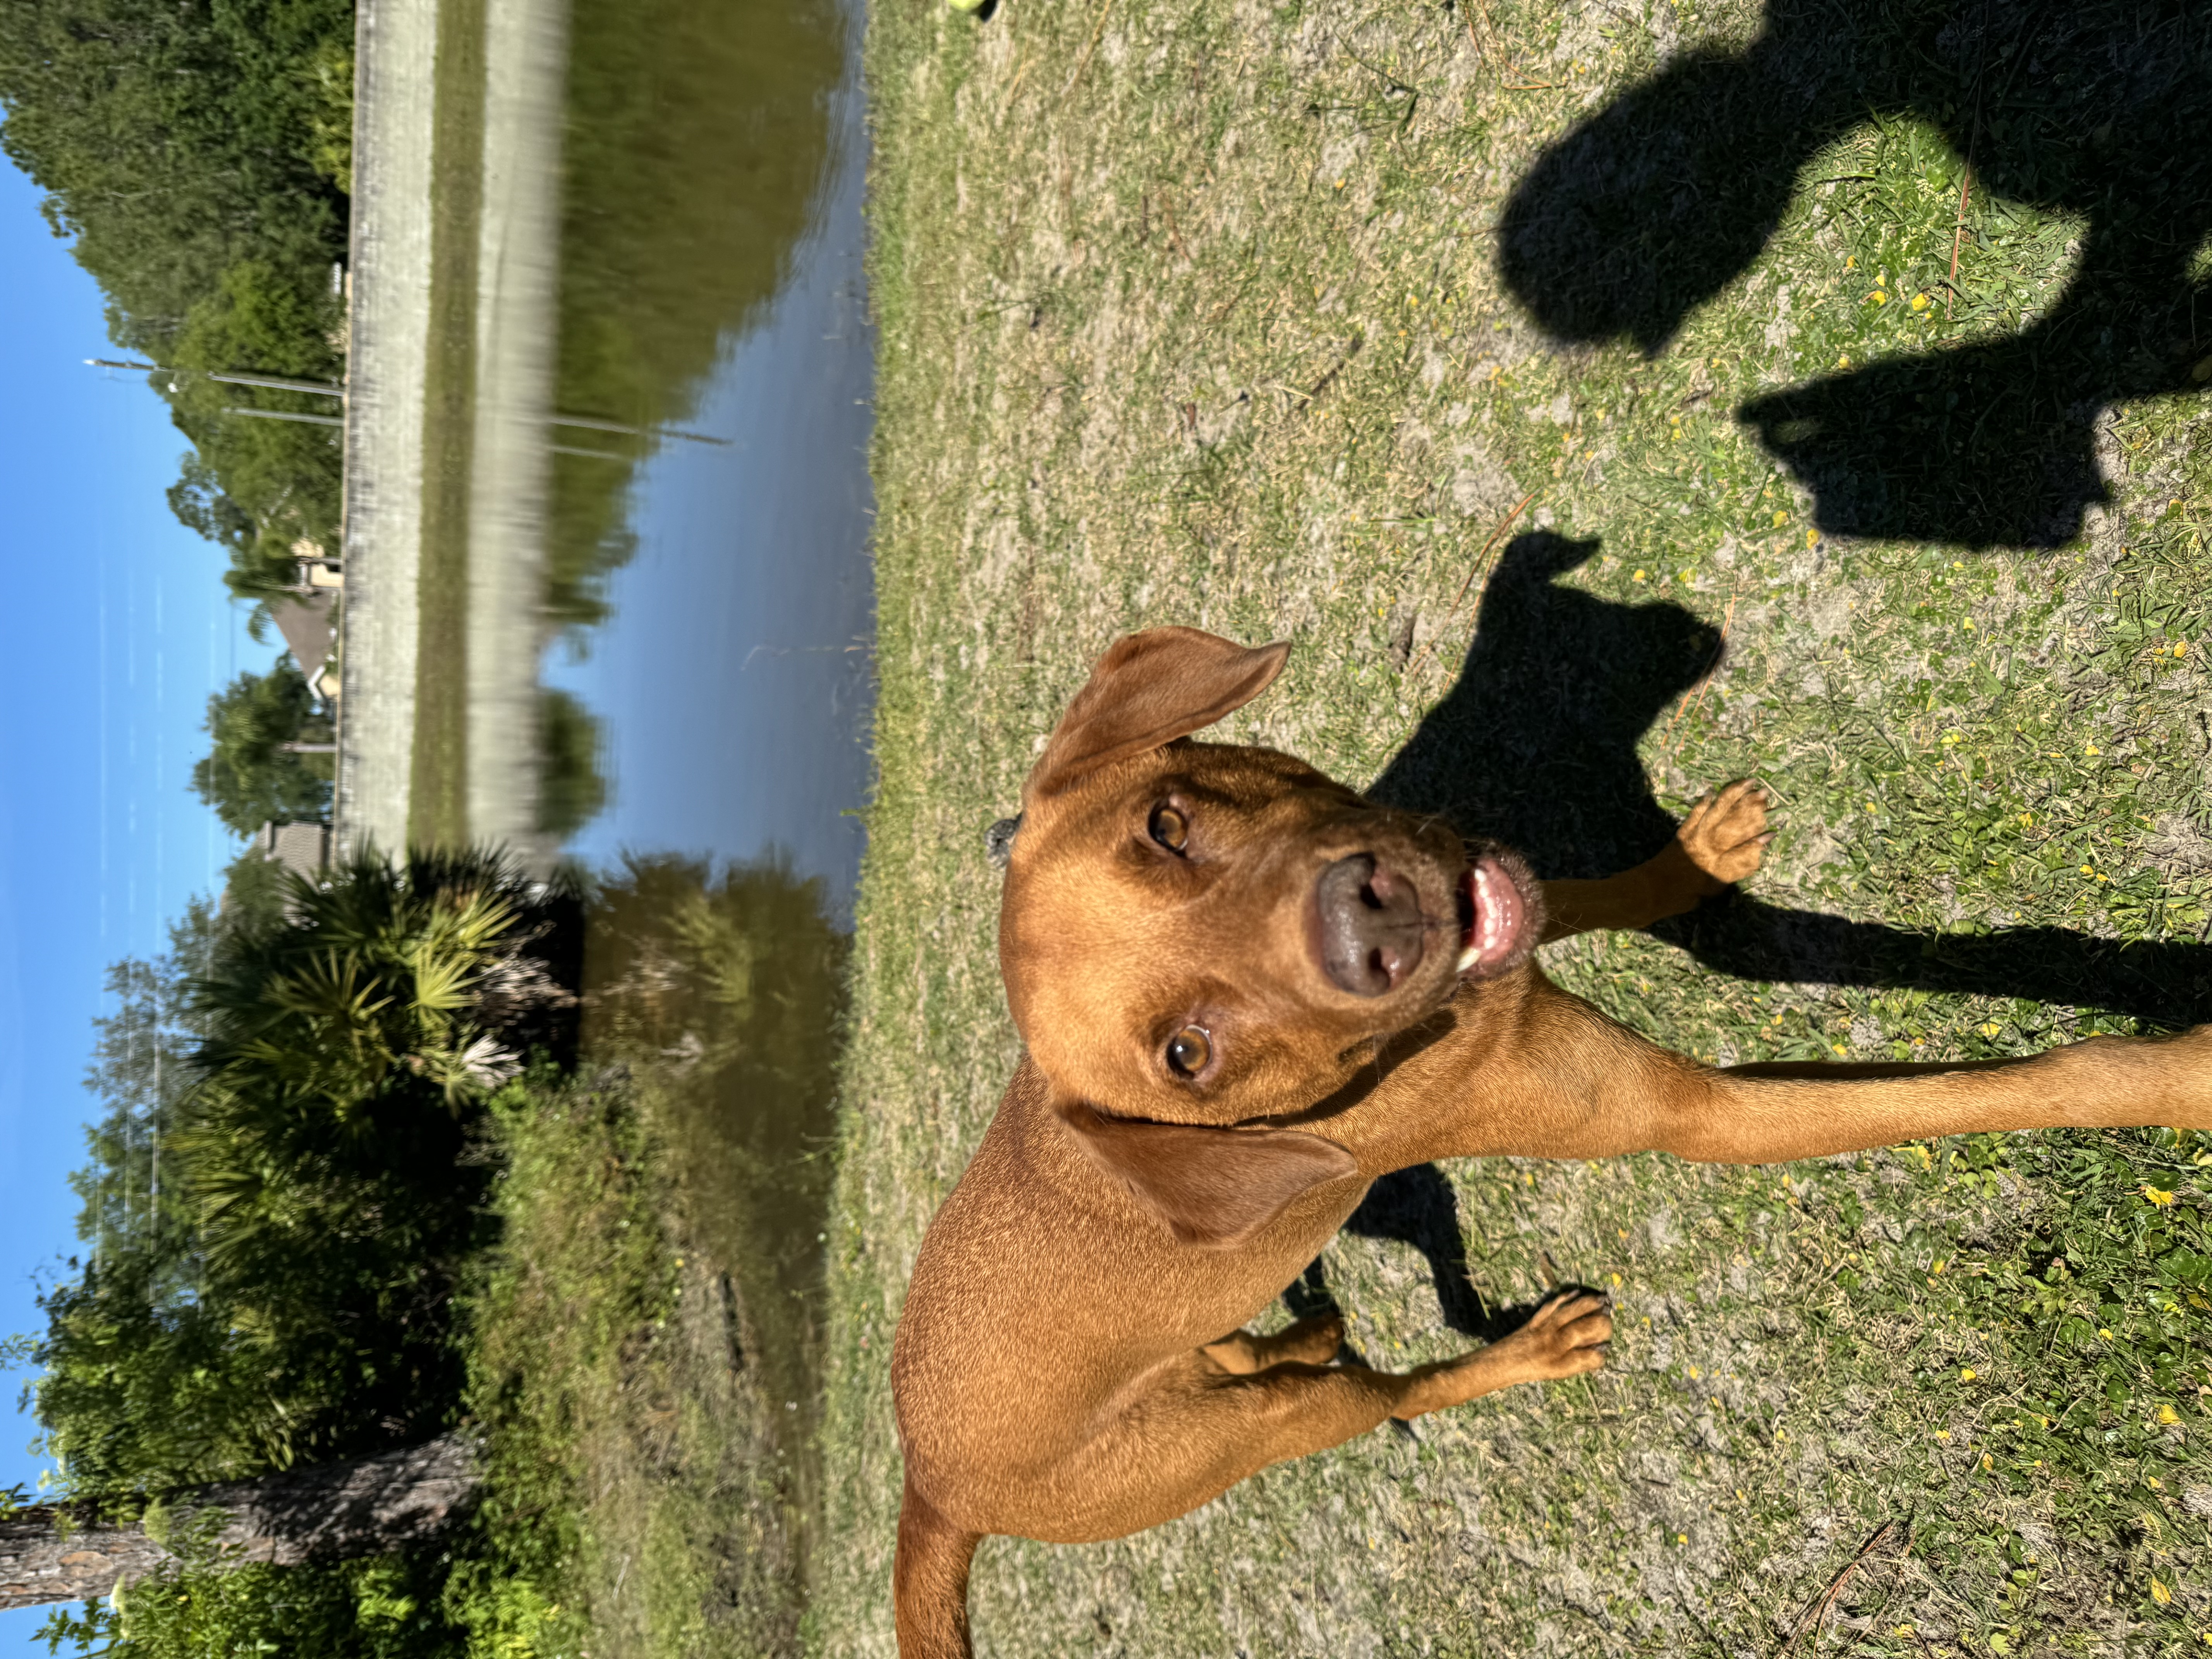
{"x":1214,"y":1187}
{"x":1149,"y":690}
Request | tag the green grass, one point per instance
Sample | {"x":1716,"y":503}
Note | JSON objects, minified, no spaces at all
{"x":636,"y":1503}
{"x":1194,"y":315}
{"x":437,"y":809}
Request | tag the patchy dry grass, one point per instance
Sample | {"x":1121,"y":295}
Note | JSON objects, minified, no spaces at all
{"x":1197,"y":313}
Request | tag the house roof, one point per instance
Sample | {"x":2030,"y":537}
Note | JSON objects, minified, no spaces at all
{"x":306,"y":625}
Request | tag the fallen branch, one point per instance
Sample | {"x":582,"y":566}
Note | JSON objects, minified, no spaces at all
{"x":1959,"y":234}
{"x":1818,"y":1610}
{"x":1084,"y":62}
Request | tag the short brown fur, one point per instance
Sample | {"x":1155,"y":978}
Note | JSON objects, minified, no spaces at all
{"x":1059,"y":1371}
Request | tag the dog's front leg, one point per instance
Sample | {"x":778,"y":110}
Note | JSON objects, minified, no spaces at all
{"x":1570,"y":1083}
{"x":1720,"y":843}
{"x":1767,"y":1113}
{"x":1565,"y":1337}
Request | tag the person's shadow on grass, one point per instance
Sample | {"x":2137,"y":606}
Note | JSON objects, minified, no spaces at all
{"x":2097,"y":111}
{"x":1535,"y":746}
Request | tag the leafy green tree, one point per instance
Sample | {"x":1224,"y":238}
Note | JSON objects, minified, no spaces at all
{"x":291,"y":1300}
{"x":138,"y":1349}
{"x":172,"y":140}
{"x":384,"y":1608}
{"x":250,"y":779}
{"x":196,"y":157}
{"x":144,"y":1065}
{"x":277,"y":482}
{"x":255,"y":891}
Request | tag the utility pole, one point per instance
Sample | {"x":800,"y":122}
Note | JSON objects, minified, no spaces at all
{"x":327,"y":389}
{"x":282,"y":415}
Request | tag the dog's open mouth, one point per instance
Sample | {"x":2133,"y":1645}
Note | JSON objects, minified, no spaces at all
{"x":1489,"y":916}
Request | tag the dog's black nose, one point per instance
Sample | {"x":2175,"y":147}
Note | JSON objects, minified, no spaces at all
{"x":1372,"y":935}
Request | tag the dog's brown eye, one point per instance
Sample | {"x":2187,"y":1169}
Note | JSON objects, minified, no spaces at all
{"x":1188,"y":1050}
{"x":1170,"y":827}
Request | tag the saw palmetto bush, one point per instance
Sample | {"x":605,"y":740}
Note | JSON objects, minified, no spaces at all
{"x":298,"y":1304}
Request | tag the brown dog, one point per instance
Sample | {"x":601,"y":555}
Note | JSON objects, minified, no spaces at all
{"x":1246,"y":994}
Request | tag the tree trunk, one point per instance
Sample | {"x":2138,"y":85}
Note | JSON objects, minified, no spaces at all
{"x":55,"y":1552}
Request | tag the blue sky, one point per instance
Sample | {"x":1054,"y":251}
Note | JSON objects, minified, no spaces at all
{"x":117,"y":627}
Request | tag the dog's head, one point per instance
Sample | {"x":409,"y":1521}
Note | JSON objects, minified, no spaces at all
{"x":1198,"y":935}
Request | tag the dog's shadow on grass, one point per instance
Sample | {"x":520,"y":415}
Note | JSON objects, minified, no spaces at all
{"x":2095,"y":113}
{"x":1416,"y":1207}
{"x":1535,"y":746}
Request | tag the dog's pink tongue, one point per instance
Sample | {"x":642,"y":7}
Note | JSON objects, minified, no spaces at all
{"x":1496,"y":918}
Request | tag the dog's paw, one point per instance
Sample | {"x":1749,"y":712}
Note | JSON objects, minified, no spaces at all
{"x":1726,"y":833}
{"x":1565,"y":1337}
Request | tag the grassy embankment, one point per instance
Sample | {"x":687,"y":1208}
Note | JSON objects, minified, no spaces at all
{"x":1194,"y":314}
{"x":438,"y":786}
{"x":639,"y":1485}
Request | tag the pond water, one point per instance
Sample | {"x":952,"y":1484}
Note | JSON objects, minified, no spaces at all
{"x":708,"y":680}
{"x":730,"y":679}
{"x":728,"y":676}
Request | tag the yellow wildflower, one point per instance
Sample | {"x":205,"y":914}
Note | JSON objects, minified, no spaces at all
{"x":1780,"y":517}
{"x":1811,"y":538}
{"x":2157,"y":1195}
{"x":1967,"y":1375}
{"x":2159,"y":1594}
{"x":2168,"y":1417}
{"x":1920,"y":302}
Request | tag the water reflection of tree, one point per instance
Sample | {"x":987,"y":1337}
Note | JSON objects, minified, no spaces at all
{"x":694,"y":148}
{"x":724,"y":992}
